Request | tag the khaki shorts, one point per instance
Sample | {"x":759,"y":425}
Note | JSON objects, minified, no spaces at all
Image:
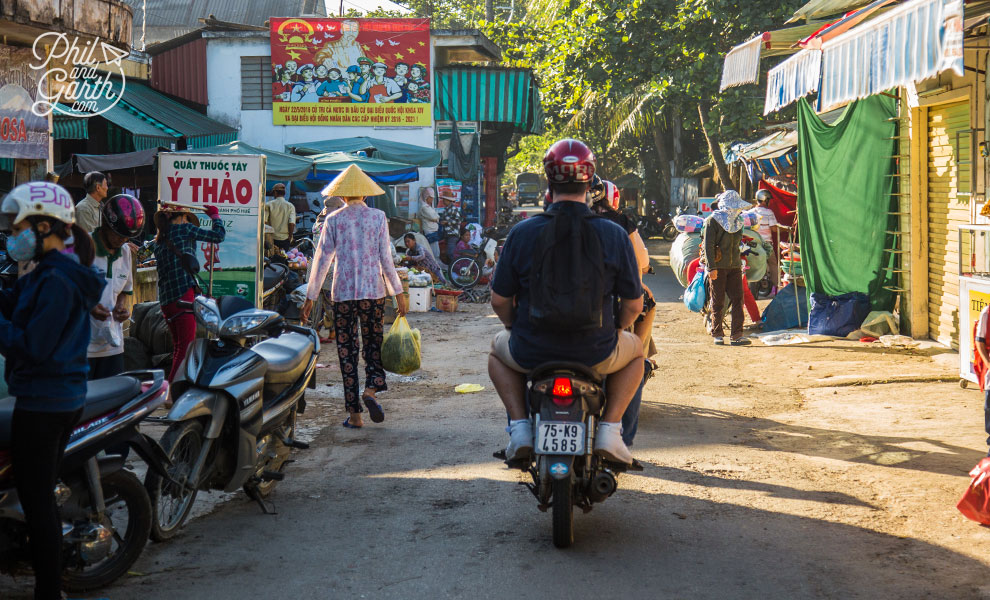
{"x":627,"y":348}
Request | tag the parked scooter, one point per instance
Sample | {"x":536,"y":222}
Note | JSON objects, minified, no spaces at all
{"x":234,"y":417}
{"x":105,"y":510}
{"x":566,"y":401}
{"x":466,"y":271}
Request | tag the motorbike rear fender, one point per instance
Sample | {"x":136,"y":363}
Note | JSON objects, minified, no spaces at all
{"x":151,"y":452}
{"x":196,"y":403}
{"x":560,"y":466}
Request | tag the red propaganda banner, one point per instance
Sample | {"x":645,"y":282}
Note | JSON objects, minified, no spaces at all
{"x":351,"y":72}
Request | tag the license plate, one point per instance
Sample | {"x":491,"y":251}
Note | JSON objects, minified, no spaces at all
{"x":556,"y":437}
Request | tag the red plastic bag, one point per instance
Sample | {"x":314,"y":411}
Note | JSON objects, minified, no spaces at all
{"x":975,"y":503}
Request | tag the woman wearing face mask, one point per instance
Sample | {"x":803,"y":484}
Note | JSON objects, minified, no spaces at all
{"x":44,"y":333}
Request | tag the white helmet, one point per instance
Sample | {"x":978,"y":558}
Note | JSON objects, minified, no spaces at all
{"x":37,"y":198}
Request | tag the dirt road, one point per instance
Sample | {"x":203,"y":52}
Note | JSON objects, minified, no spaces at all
{"x":770,"y":473}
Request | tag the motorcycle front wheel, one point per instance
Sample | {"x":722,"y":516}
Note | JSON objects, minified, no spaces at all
{"x":128,"y":516}
{"x":172,"y":501}
{"x":563,"y":513}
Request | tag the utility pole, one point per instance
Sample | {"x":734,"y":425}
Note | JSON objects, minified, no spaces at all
{"x":342,"y":8}
{"x":489,"y":10}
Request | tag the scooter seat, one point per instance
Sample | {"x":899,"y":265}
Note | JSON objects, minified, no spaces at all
{"x":273,"y":274}
{"x":287,"y":357}
{"x":6,"y":417}
{"x":107,"y":395}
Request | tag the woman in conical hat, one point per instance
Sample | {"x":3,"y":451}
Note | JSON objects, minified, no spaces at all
{"x":355,"y":239}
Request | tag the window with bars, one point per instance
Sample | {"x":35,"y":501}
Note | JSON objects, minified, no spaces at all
{"x":256,"y":83}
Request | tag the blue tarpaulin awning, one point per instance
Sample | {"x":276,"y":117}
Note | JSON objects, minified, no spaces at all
{"x":384,"y":172}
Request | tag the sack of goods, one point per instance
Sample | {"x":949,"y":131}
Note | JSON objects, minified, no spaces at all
{"x":685,"y":248}
{"x":689,"y":223}
{"x":401,"y":348}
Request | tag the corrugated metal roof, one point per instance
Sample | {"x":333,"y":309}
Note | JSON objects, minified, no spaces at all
{"x":181,"y":72}
{"x":811,"y":10}
{"x":187,"y":13}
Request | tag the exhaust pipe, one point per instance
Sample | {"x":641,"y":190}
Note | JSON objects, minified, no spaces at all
{"x":602,"y":486}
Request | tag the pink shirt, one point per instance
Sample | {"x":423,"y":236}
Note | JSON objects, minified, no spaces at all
{"x":355,"y":240}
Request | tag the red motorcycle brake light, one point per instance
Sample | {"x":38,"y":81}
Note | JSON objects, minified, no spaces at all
{"x":563,"y":392}
{"x":562,"y":387}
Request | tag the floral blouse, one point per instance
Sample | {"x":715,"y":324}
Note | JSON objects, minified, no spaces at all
{"x":355,"y":240}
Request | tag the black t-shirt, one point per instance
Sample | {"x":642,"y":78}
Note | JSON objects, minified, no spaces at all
{"x":620,"y":219}
{"x":529,"y":347}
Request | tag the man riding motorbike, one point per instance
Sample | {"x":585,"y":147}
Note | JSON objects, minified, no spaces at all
{"x":608,"y":349}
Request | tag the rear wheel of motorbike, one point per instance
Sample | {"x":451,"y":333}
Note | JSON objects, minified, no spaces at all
{"x":563,"y":513}
{"x":171,"y":502}
{"x":128,"y":516}
{"x":669,"y":233}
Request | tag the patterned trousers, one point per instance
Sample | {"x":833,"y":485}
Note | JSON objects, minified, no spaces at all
{"x":370,"y":314}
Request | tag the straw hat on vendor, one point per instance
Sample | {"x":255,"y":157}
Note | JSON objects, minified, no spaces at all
{"x":355,"y":240}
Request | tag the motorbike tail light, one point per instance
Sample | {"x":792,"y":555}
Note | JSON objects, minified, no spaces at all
{"x":563,"y":392}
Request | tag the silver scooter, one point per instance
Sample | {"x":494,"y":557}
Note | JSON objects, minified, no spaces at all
{"x":234,"y":416}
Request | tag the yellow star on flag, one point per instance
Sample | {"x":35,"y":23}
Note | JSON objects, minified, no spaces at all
{"x":365,"y":46}
{"x":411,"y":50}
{"x":399,"y":56}
{"x":293,"y":55}
{"x":422,"y":43}
{"x":381,"y":59}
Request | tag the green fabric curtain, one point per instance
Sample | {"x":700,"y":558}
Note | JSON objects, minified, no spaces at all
{"x":845,"y":199}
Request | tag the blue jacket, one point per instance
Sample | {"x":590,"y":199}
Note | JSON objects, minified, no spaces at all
{"x":44,"y":332}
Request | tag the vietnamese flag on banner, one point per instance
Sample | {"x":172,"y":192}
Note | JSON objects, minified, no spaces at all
{"x":351,"y":72}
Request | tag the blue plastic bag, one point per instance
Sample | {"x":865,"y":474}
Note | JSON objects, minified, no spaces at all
{"x":694,"y":295}
{"x":837,"y":315}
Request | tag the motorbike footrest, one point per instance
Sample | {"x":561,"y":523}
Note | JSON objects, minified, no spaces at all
{"x":617,"y":467}
{"x":272,"y":476}
{"x":522,"y":464}
{"x":297,"y":445}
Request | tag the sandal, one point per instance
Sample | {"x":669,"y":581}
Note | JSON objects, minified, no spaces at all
{"x":374,"y":409}
{"x":347,"y":424}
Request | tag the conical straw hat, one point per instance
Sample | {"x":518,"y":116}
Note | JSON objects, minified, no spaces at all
{"x":352,"y":183}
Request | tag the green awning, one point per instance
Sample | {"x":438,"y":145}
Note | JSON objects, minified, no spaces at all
{"x":66,"y":127}
{"x":492,"y":94}
{"x":155,"y":120}
{"x":279,"y":165}
{"x":384,"y":149}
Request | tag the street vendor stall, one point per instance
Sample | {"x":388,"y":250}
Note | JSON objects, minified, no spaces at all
{"x":279,"y":166}
{"x":974,"y":291}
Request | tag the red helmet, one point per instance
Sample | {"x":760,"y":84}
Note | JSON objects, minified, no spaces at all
{"x":123,"y":214}
{"x":569,"y":161}
{"x":612,"y":196}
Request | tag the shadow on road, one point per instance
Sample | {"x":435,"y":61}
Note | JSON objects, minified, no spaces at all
{"x":889,"y":451}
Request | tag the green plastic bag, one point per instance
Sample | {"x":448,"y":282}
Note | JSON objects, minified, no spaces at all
{"x":401,"y":348}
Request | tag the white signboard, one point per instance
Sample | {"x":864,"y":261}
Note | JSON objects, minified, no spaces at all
{"x":235,"y":184}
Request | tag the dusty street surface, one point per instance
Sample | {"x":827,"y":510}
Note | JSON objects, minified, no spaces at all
{"x":821,"y":471}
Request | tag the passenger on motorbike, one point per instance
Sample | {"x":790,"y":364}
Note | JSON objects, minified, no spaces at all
{"x":605,"y":202}
{"x":44,"y":332}
{"x":609,"y":350}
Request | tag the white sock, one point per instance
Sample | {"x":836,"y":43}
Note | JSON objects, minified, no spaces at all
{"x":607,"y":425}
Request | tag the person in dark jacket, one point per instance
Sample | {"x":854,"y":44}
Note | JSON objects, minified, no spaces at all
{"x":722,"y":236}
{"x":44,"y":333}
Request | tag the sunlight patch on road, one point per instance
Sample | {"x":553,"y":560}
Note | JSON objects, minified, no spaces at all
{"x":460,"y":472}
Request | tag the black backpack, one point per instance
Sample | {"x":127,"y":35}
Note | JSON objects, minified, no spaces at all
{"x":567,"y":276}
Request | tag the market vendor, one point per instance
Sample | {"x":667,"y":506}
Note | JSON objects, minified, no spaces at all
{"x":421,"y":257}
